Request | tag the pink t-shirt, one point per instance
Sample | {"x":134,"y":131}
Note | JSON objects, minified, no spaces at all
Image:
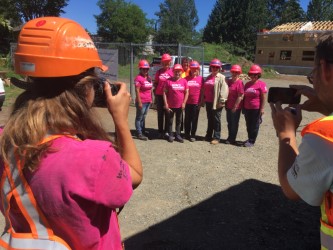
{"x":235,"y":89}
{"x":252,"y":93}
{"x":78,"y":188}
{"x":145,"y":86}
{"x":194,"y":86}
{"x":209,"y":89}
{"x":161,"y":77}
{"x":175,"y":92}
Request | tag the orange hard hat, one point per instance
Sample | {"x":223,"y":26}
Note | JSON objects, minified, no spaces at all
{"x":55,"y":47}
{"x":143,"y":64}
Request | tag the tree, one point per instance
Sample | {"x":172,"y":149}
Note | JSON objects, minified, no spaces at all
{"x":320,"y":10}
{"x":275,"y":9}
{"x":122,"y":22}
{"x":27,"y":10}
{"x":177,"y":20}
{"x":236,"y":22}
{"x":292,"y":12}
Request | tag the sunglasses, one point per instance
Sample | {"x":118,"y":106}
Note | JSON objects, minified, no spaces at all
{"x":310,"y":76}
{"x":250,"y":75}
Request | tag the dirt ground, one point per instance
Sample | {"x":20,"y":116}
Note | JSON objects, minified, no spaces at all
{"x":200,"y":196}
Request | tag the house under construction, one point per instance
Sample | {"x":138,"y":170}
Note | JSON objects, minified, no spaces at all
{"x":290,"y":48}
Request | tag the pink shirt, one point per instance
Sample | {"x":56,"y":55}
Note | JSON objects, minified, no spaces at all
{"x":252,"y":93}
{"x":209,"y":89}
{"x":145,"y":86}
{"x":194,"y":86}
{"x":78,"y":188}
{"x":235,"y":89}
{"x":161,"y":77}
{"x":175,"y":92}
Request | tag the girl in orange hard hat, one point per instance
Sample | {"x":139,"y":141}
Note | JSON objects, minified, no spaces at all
{"x":76,"y":176}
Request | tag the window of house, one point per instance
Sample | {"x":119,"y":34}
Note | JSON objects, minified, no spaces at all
{"x":260,"y":51}
{"x":285,"y":55}
{"x":308,"y":55}
{"x":310,"y":37}
{"x":271,"y":54}
{"x":288,"y":37}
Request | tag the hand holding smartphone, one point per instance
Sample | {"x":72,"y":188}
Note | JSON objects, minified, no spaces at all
{"x":283,"y":95}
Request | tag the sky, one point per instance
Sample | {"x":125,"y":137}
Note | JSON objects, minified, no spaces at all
{"x":83,"y":11}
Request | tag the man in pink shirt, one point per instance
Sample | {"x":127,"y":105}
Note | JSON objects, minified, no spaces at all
{"x":175,"y":97}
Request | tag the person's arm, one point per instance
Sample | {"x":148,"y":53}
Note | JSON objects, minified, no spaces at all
{"x":166,"y":106}
{"x":262,"y":103}
{"x":118,"y":107}
{"x":185,"y":99}
{"x":285,"y":124}
{"x":238,"y":101}
{"x":313,"y":104}
{"x":138,"y":98}
{"x":224,"y":92}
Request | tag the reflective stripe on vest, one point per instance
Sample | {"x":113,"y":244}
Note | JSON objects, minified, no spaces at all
{"x":323,"y":128}
{"x":14,"y":185}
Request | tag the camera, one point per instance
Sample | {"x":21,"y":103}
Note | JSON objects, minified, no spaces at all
{"x":283,"y":95}
{"x":99,"y":100}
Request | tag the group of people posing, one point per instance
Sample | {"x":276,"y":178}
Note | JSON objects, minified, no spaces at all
{"x":183,"y":88}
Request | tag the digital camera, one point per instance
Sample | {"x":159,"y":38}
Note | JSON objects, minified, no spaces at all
{"x":99,"y":100}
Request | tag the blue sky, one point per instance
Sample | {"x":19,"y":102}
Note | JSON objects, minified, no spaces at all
{"x":83,"y":11}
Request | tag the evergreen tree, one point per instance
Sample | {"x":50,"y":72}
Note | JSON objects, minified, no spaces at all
{"x":236,"y":22}
{"x":120,"y":21}
{"x":275,"y":9}
{"x":320,"y":10}
{"x":292,"y":12}
{"x":27,"y":10}
{"x":177,"y":20}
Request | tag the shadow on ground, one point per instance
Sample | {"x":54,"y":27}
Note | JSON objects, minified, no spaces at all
{"x":251,"y":215}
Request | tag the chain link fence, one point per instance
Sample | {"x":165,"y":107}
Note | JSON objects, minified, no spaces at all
{"x":129,"y":54}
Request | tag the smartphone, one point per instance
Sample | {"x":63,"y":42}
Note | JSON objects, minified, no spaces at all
{"x":283,"y":95}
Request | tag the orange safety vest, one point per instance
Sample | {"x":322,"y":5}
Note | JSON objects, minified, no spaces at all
{"x":324,"y":128}
{"x":15,"y":186}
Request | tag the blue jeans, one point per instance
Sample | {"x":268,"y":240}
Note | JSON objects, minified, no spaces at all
{"x":191,"y":119}
{"x":252,"y":119}
{"x":233,"y":123}
{"x":214,"y":121}
{"x":141,"y":117}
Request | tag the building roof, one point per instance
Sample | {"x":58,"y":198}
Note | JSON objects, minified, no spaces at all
{"x":303,"y":27}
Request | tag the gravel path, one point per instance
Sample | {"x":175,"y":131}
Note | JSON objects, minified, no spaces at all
{"x":200,"y":196}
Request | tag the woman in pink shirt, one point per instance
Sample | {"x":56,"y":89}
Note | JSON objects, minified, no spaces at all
{"x":255,"y":92}
{"x":175,"y":97}
{"x":192,"y":108}
{"x":214,"y":95}
{"x":234,"y":103}
{"x":75,"y":176}
{"x":161,"y":76}
{"x":143,"y":90}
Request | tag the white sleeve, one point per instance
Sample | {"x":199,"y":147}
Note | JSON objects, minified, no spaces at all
{"x":312,"y":172}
